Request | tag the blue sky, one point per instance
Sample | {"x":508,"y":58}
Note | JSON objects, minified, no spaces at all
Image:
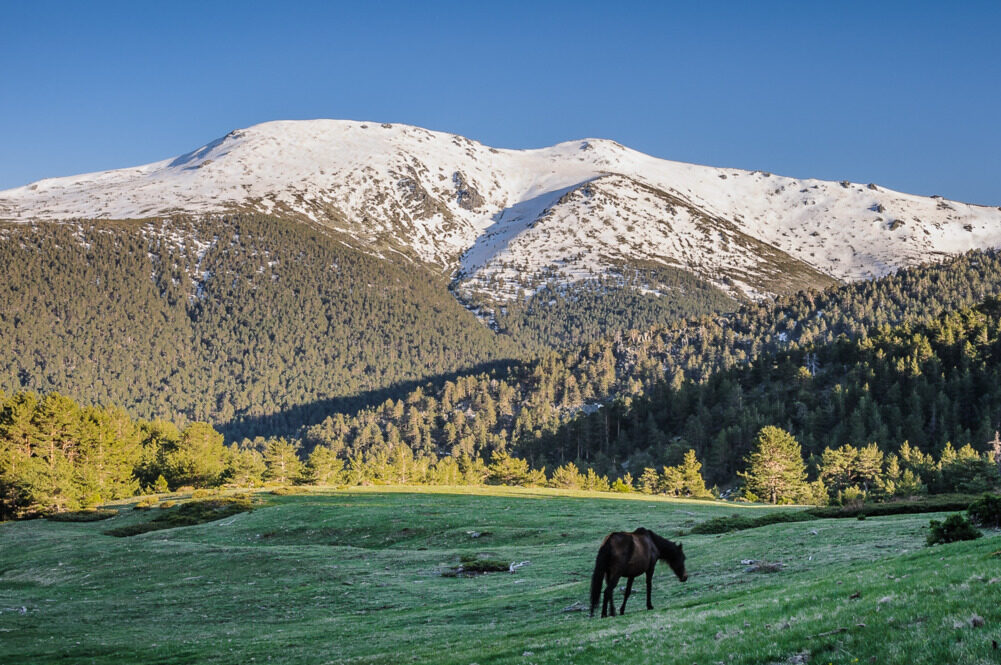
{"x":905,"y":94}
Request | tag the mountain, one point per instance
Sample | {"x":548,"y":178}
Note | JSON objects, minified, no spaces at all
{"x":506,"y":224}
{"x":255,"y":324}
{"x":297,"y":269}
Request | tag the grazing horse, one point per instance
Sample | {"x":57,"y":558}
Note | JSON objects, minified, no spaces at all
{"x":628,"y":555}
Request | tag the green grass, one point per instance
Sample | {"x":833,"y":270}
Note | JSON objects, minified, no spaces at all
{"x":354,"y":576}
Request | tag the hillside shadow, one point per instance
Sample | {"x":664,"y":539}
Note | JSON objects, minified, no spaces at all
{"x":289,"y":421}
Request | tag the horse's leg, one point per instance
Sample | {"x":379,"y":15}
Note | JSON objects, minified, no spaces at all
{"x":649,"y":585}
{"x":613,"y":580}
{"x":625,"y":597}
{"x":604,"y":596}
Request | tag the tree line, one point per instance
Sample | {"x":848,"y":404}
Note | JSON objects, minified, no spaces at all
{"x":56,"y":455}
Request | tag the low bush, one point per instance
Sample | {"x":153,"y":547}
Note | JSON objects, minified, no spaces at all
{"x":145,"y":503}
{"x":986,"y":511}
{"x":932,"y":504}
{"x":737,"y":522}
{"x":953,"y":529}
{"x":939,"y":503}
{"x":187,"y":514}
{"x":81,"y":516}
{"x":286,"y":490}
{"x":473,"y":564}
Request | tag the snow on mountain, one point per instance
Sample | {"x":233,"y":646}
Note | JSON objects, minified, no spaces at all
{"x":506,"y":221}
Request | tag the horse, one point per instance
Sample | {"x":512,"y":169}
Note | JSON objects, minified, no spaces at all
{"x":628,"y":555}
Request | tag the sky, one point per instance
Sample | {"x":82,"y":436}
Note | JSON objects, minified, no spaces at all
{"x":903,"y":94}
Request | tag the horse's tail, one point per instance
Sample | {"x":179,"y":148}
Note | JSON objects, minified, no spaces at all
{"x":600,"y":566}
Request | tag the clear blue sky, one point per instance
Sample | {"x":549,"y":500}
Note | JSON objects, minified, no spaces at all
{"x":904,"y":94}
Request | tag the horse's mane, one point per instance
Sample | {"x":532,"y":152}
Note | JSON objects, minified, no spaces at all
{"x":665,"y":546}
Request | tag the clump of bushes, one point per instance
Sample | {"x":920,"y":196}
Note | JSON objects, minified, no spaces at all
{"x":146,"y":503}
{"x":188,"y":514}
{"x":286,"y":490}
{"x":986,"y":511}
{"x":931,"y":504}
{"x":473,"y":564}
{"x":953,"y":529}
{"x":738,"y":522}
{"x":82,"y":515}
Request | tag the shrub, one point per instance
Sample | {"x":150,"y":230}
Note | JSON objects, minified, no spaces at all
{"x":187,"y":514}
{"x":953,"y":529}
{"x":285,"y":490}
{"x":472,"y":564}
{"x":739,"y":522}
{"x":145,"y":503}
{"x":81,"y":516}
{"x":932,"y":504}
{"x":986,"y":511}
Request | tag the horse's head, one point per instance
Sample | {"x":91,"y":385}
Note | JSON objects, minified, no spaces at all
{"x":672,"y":553}
{"x":675,"y":557}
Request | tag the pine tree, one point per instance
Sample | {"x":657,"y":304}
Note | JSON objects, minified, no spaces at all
{"x":197,"y":459}
{"x":775,"y":468}
{"x":281,"y":459}
{"x":323,"y":466}
{"x":692,"y":483}
{"x":567,"y":477}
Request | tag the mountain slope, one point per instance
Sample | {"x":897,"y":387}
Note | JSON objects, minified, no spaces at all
{"x":254,"y":324}
{"x":510,"y":222}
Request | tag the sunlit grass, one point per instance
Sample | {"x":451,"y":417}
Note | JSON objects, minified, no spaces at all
{"x":355,"y":576}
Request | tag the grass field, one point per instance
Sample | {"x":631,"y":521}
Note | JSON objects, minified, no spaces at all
{"x":354,"y":576}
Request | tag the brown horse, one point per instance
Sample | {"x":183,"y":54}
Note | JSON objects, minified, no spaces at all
{"x":628,"y":555}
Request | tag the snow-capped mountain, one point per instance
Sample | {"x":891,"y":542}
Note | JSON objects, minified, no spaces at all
{"x":507,"y":221}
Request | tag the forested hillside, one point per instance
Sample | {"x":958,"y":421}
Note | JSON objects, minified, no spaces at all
{"x":244,"y":321}
{"x":604,"y":404}
{"x":906,"y":409}
{"x":934,"y":386}
{"x":262,"y":326}
{"x":568,"y":316}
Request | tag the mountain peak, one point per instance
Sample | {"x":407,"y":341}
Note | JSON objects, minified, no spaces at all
{"x":509,"y":220}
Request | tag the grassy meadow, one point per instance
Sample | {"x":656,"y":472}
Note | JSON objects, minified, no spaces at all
{"x":355,"y":576}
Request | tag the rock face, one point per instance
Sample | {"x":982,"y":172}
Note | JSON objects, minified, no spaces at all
{"x":507,"y":222}
{"x":466,"y":195}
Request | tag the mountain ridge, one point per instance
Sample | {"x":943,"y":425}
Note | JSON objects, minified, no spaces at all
{"x":506,"y":223}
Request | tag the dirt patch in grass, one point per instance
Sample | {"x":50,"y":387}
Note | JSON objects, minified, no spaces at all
{"x":187,"y":514}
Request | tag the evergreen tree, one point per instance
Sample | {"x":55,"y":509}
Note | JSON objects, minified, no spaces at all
{"x":323,"y":466}
{"x":775,"y":468}
{"x":281,"y":461}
